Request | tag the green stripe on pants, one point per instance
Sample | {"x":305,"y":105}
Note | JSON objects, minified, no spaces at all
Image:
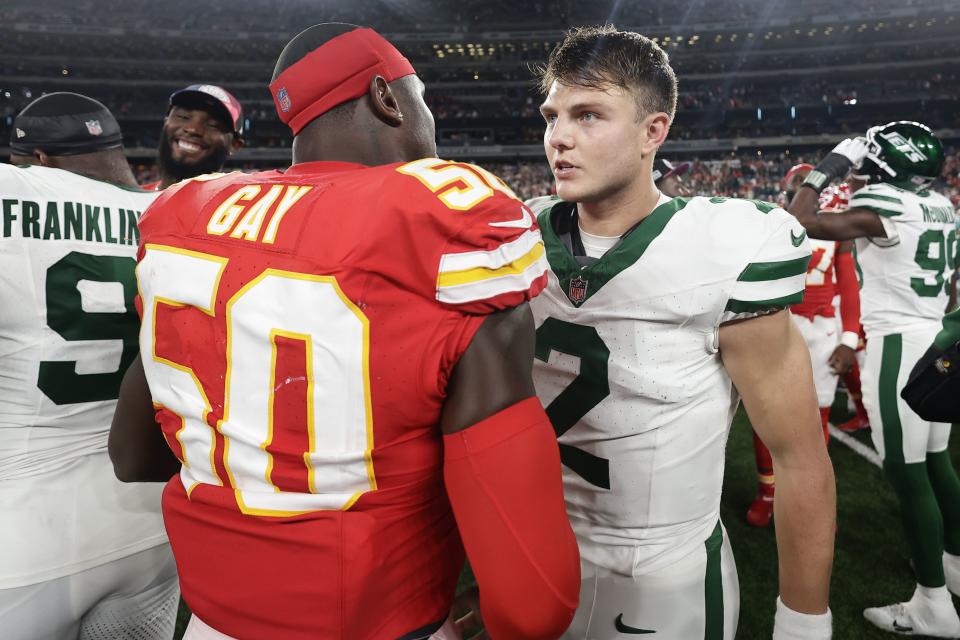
{"x":713,"y":583}
{"x":888,"y":396}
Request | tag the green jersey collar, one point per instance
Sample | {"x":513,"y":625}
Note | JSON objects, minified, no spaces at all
{"x":580,"y":283}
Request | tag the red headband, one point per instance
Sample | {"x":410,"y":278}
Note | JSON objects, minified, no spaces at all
{"x":337,"y":71}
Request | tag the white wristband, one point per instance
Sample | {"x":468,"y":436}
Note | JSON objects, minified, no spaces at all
{"x":793,"y":625}
{"x":850,"y":339}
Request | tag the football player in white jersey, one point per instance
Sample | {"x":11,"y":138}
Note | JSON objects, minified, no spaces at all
{"x":659,"y":316}
{"x":83,"y":555}
{"x":906,"y":247}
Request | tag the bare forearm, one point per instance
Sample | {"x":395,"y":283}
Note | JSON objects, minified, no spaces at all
{"x":136,"y":445}
{"x":805,"y":513}
{"x":823,"y":226}
{"x":848,"y":225}
{"x":769,"y":363}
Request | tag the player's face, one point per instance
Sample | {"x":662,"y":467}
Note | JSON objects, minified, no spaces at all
{"x":594,"y":141}
{"x":419,"y":127}
{"x":193,"y":136}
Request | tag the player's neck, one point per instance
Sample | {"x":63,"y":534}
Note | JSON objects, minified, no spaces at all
{"x":120,"y":175}
{"x":617,"y":213}
{"x":345,"y":145}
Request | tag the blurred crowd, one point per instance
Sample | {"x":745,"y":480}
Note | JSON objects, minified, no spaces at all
{"x":740,"y":176}
{"x":226,"y":15}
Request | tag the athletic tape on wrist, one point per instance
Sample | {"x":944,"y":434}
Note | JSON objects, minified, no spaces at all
{"x":850,"y":339}
{"x":817,"y":180}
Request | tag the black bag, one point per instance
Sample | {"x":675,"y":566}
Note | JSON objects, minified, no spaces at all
{"x":933,"y":389}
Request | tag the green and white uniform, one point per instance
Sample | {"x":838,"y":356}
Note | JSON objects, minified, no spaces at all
{"x":905,"y":289}
{"x":67,"y":332}
{"x":629,"y":370}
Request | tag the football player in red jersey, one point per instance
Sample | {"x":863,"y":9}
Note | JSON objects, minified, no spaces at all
{"x":327,"y":349}
{"x":831,"y":271}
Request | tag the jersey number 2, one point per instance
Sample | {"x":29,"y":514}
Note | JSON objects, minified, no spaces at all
{"x":585,"y":392}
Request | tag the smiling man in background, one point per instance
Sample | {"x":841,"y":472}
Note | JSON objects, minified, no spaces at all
{"x":203,"y":127}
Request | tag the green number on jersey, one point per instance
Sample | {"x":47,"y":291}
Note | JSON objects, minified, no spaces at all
{"x":952,"y":256}
{"x":937,"y":263}
{"x":585,"y":392}
{"x":59,"y":380}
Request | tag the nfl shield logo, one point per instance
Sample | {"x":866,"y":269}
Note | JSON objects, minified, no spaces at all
{"x":578,"y":290}
{"x":93,"y":126}
{"x":283,"y":99}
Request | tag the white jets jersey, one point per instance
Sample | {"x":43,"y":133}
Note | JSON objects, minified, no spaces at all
{"x":67,"y":332}
{"x":906,"y":276}
{"x":627,"y":365}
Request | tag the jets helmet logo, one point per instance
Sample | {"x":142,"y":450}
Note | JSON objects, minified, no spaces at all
{"x":21,"y":133}
{"x":904,"y":146}
{"x":93,"y":126}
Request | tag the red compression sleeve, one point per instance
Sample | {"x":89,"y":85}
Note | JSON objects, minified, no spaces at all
{"x":764,"y":460}
{"x":503,"y":479}
{"x":849,"y":290}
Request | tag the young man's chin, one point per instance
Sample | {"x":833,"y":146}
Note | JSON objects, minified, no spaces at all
{"x":568,"y":192}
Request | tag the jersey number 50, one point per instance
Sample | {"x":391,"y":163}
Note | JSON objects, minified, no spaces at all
{"x":311,"y":309}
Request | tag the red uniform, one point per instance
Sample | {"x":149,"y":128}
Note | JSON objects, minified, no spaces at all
{"x":824,"y":280}
{"x":299,"y":329}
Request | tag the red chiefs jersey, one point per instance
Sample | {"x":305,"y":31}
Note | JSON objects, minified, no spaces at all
{"x":821,"y":285}
{"x":298,"y":332}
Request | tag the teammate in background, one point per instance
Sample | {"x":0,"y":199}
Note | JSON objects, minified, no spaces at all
{"x":906,"y":246}
{"x":836,"y":199}
{"x":656,"y":313}
{"x":831,"y":271}
{"x":84,"y":556}
{"x":668,"y":177}
{"x":203,"y":127}
{"x":328,"y":348}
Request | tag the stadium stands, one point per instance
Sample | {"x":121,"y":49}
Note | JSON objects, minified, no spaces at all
{"x":790,"y":79}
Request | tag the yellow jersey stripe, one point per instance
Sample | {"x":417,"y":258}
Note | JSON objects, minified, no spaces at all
{"x":454,"y":278}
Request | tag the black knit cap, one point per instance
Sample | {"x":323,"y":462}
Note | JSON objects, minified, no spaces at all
{"x":64,"y":124}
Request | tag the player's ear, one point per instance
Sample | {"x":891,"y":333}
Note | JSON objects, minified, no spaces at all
{"x":42,"y":159}
{"x":656,"y":126}
{"x":236,"y":144}
{"x":384,"y":103}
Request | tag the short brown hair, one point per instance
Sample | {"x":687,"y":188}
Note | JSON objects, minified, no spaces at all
{"x":598,"y":57}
